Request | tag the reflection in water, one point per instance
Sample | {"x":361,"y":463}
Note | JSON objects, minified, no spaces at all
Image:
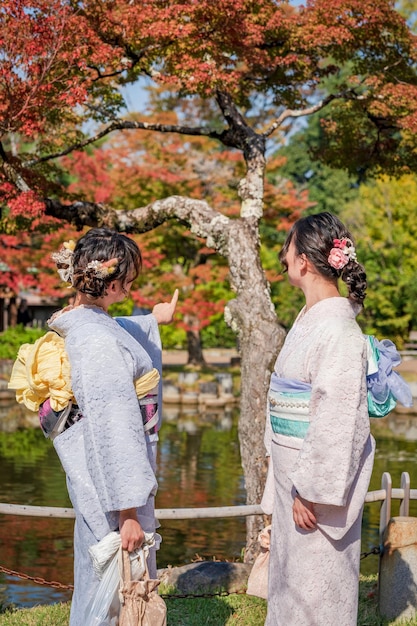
{"x":198,"y":465}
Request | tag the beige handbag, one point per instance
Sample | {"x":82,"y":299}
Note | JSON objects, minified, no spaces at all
{"x":140,"y":604}
{"x":258,"y":578}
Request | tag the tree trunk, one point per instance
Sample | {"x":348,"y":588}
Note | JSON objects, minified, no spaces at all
{"x":253,"y":314}
{"x":12,"y":313}
{"x":194,"y":347}
{"x":260,"y":337}
{"x":253,"y":408}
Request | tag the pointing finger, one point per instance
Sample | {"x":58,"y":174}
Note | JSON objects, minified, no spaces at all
{"x":174,"y":299}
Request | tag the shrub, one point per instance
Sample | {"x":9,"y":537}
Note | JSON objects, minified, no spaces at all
{"x":12,"y":338}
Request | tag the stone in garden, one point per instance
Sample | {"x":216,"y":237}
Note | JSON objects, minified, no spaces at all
{"x":207,"y":577}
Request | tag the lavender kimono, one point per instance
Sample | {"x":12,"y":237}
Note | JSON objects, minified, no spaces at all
{"x":322,"y":448}
{"x":108,"y":459}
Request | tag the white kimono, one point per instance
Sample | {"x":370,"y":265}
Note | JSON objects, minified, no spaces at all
{"x":314,"y":576}
{"x":108,"y":459}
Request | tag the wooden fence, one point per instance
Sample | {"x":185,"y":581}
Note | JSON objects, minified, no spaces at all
{"x":385,"y":495}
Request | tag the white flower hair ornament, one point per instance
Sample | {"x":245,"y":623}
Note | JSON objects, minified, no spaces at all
{"x":342,"y":252}
{"x":102,"y":269}
{"x":63,"y":260}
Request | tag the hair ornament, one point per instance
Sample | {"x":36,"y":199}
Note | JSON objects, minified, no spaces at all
{"x":69,"y":245}
{"x":63,"y":260}
{"x":103,"y":269}
{"x":342,"y":252}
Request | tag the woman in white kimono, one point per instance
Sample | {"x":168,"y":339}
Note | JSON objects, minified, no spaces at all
{"x":318,"y":434}
{"x":108,"y":457}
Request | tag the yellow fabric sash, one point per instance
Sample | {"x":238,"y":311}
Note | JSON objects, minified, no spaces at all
{"x":146,"y":383}
{"x":42,"y":370}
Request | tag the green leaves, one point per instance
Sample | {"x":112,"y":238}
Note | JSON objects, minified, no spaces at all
{"x":384,"y":220}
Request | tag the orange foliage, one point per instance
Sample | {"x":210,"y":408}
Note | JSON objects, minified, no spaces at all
{"x":28,"y":257}
{"x":63,"y":63}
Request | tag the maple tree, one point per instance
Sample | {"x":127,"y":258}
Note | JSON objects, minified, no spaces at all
{"x":25,"y":260}
{"x":26,"y":256}
{"x":254,"y":66}
{"x":171,"y":255}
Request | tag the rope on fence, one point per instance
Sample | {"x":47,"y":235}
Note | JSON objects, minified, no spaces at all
{"x":190,"y":513}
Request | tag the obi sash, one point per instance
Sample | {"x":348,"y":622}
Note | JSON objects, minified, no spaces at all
{"x":385,"y":386}
{"x":289,"y":399}
{"x":289,"y":406}
{"x":41,"y":378}
{"x":53,"y":423}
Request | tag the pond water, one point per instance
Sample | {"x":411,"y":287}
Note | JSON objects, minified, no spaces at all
{"x":198,"y":465}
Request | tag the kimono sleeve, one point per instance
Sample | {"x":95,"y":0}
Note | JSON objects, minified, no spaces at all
{"x":145,"y":329}
{"x":102,"y":373}
{"x":332,"y":450}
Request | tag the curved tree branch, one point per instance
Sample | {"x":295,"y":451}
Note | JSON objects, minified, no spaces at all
{"x":348,"y":94}
{"x":202,"y":219}
{"x":129,"y":125}
{"x":238,"y":134}
{"x":299,"y":113}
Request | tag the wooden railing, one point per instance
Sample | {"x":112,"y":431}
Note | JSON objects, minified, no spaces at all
{"x":385,"y":495}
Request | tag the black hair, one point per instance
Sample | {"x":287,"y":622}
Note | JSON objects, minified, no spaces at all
{"x":314,"y":236}
{"x":104,"y":244}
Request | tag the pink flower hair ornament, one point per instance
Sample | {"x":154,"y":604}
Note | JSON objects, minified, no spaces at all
{"x":342,"y":252}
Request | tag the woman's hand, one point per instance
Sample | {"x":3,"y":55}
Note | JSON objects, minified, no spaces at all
{"x":131,"y":532}
{"x":164,"y":311}
{"x":303,"y":514}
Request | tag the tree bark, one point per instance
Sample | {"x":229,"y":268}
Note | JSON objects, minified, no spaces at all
{"x":194,"y":347}
{"x":260,"y":338}
{"x":252,"y":314}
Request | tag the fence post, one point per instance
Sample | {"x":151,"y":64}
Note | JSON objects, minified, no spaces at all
{"x":397,"y":580}
{"x":397,"y":585}
{"x":405,"y":502}
{"x":385,"y":512}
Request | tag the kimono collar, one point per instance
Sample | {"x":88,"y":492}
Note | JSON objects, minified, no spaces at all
{"x":63,"y":321}
{"x":330,"y":307}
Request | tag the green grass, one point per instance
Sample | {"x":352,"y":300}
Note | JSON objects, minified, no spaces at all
{"x":232,"y":610}
{"x":51,"y":615}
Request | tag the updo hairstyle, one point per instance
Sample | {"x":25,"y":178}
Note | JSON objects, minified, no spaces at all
{"x":104,"y":244}
{"x":313,"y":236}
